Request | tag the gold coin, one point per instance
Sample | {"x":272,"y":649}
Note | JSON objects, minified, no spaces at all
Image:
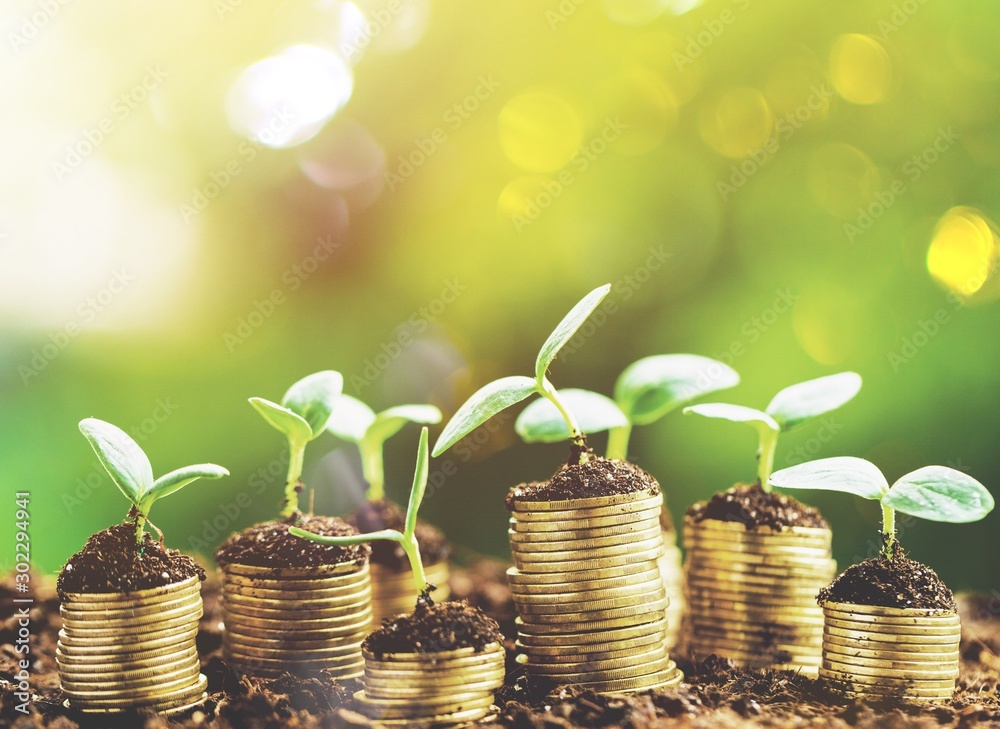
{"x":916,"y":674}
{"x":348,"y":579}
{"x":584,"y":617}
{"x":402,"y":692}
{"x":563,"y":566}
{"x":890,"y":646}
{"x":343,"y":647}
{"x":593,"y":553}
{"x":661,"y":664}
{"x":648,"y":520}
{"x":129,"y":638}
{"x":533,"y":596}
{"x":757,"y":636}
{"x":290,"y":616}
{"x":871,"y":636}
{"x":434,"y":681}
{"x":628,"y":520}
{"x":242,"y":591}
{"x":134,"y":625}
{"x":756,"y":537}
{"x":655,"y":594}
{"x":926,"y":696}
{"x":97,"y":606}
{"x":816,"y":570}
{"x":438,"y":656}
{"x":770,"y":560}
{"x":755,"y":596}
{"x":331,"y":658}
{"x":876,"y":620}
{"x":584,"y":517}
{"x":294,"y":573}
{"x":80,"y":667}
{"x":894,"y":612}
{"x":301,"y":637}
{"x":154,"y":691}
{"x":556,"y":544}
{"x":117,"y":682}
{"x":572,"y":625}
{"x":129,"y":613}
{"x":335,"y":665}
{"x":666,"y":678}
{"x":883,"y":628}
{"x":551,"y":668}
{"x":455,"y":718}
{"x":761,"y":550}
{"x":710,"y":580}
{"x":564,"y":639}
{"x":590,"y":503}
{"x":852,"y":653}
{"x":171,"y":709}
{"x":428,"y":700}
{"x":736,"y":526}
{"x":352,"y":618}
{"x":397,"y":716}
{"x":153,"y":700}
{"x":135,"y":595}
{"x":610,"y":578}
{"x":597,"y":652}
{"x":292,"y":602}
{"x":449,"y":666}
{"x":906,"y":684}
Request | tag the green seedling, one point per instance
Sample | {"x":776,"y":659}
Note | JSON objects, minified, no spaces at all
{"x":407,"y":538}
{"x":301,"y":416}
{"x":132,"y":473}
{"x":790,"y":408}
{"x":501,"y":394}
{"x":355,"y":422}
{"x":644,"y":392}
{"x":935,"y":493}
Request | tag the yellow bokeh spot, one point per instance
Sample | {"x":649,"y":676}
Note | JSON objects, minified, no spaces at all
{"x":860,"y":69}
{"x":539,"y":131}
{"x":643,"y":105}
{"x":737,"y":123}
{"x":521,"y":199}
{"x":963,"y":251}
{"x":830,"y":324}
{"x":842,"y":178}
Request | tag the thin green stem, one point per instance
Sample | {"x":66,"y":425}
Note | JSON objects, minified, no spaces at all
{"x":765,"y":458}
{"x":412,"y":549}
{"x":140,"y":523}
{"x":296,"y":458}
{"x":373,"y":469}
{"x":888,"y":531}
{"x":618,"y":442}
{"x":575,"y":434}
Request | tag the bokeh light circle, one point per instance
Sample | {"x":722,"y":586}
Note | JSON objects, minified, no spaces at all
{"x":842,"y":179}
{"x":860,"y":69}
{"x":737,"y":123}
{"x":962,"y":255}
{"x":284,"y":100}
{"x":539,"y":131}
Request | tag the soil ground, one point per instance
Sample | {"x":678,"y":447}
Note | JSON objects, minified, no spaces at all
{"x":716,"y":693}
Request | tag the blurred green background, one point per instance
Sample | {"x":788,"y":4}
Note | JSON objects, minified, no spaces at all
{"x":203,"y":202}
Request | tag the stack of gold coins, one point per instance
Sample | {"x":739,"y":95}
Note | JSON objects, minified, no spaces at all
{"x":393,"y":591}
{"x":120,"y":651}
{"x":297,"y":619}
{"x":672,"y":572}
{"x":872,"y":652}
{"x":589,"y":592}
{"x":752,"y":592}
{"x":431,"y":689}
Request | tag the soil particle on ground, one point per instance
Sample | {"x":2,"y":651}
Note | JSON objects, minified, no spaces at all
{"x":112,"y":561}
{"x":383,"y":514}
{"x":597,"y":477}
{"x":897,"y":582}
{"x":431,"y":628}
{"x":270,"y":545}
{"x":751,"y":506}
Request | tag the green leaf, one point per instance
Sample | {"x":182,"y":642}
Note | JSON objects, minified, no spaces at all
{"x":314,"y":397}
{"x":796,"y":404}
{"x":391,"y":421}
{"x":566,"y":329}
{"x":483,"y":405}
{"x":541,"y":422}
{"x":350,"y":420}
{"x":843,"y":473}
{"x":652,"y":387}
{"x":762,"y":422}
{"x":293,"y":426}
{"x":940,"y":494}
{"x":419,"y":483}
{"x":121,"y":457}
{"x":347,"y":540}
{"x":176,"y":480}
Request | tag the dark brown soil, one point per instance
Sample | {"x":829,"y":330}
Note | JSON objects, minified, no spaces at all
{"x":111,"y":561}
{"x":897,"y":582}
{"x":383,"y":514}
{"x":750,"y":505}
{"x":431,"y":628}
{"x":270,"y":545}
{"x":597,"y":477}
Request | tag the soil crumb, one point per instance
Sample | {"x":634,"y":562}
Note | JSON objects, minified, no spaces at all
{"x":112,"y":561}
{"x":270,"y":545}
{"x":383,"y":514}
{"x":897,"y":582}
{"x":430,"y":628}
{"x":597,"y":477}
{"x":751,"y":506}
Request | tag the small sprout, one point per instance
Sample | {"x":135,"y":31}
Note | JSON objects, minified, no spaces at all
{"x":501,"y":394}
{"x":644,"y":392}
{"x":357,"y":423}
{"x":935,"y":493}
{"x":790,"y":408}
{"x":407,"y":539}
{"x":301,"y":416}
{"x":132,"y":473}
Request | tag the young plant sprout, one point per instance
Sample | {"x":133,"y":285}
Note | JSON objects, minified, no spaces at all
{"x":790,"y":408}
{"x":644,"y":392}
{"x":301,"y":416}
{"x":501,"y":394}
{"x":935,"y":493}
{"x":132,"y":473}
{"x":355,"y":422}
{"x":407,"y":538}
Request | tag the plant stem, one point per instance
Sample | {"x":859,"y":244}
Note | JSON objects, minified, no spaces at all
{"x":765,"y":458}
{"x":618,"y":442}
{"x":888,"y":531}
{"x":296,"y":456}
{"x":412,"y":549}
{"x":575,"y":434}
{"x":372,"y":467}
{"x":140,"y":522}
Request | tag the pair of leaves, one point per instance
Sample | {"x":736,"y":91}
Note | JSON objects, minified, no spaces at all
{"x":501,"y":394}
{"x":130,"y":469}
{"x":935,"y":493}
{"x":355,"y":422}
{"x":305,"y":408}
{"x":644,"y":392}
{"x":791,"y":407}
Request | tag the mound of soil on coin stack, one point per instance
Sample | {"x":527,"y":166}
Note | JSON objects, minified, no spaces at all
{"x":750,"y":505}
{"x":597,"y":477}
{"x":270,"y":545}
{"x":112,"y":561}
{"x":897,"y":582}
{"x":383,"y":514}
{"x":446,"y":626}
